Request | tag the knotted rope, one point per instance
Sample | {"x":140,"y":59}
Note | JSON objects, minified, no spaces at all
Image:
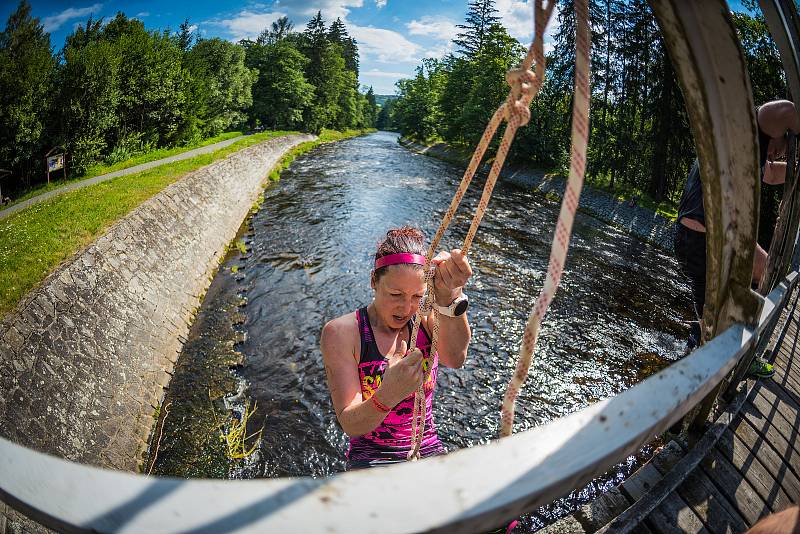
{"x":516,"y":111}
{"x":558,"y":251}
{"x":525,"y":85}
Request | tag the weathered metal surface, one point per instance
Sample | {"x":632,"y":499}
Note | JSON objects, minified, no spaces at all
{"x":475,"y":488}
{"x":784,"y":25}
{"x":783,"y":239}
{"x":705,"y":52}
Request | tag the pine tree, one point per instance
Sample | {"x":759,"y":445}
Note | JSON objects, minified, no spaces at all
{"x":338,"y":34}
{"x":26,"y":70}
{"x":481,"y":14}
{"x":185,"y":36}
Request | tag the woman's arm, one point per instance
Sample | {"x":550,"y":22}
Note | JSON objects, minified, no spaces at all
{"x":452,"y":272}
{"x":356,"y":415}
{"x":777,"y":116}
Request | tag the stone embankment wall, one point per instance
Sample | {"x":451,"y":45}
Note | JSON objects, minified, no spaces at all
{"x":636,"y":220}
{"x":85,"y":358}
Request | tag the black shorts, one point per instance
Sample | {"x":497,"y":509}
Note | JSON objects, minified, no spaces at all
{"x":690,"y":251}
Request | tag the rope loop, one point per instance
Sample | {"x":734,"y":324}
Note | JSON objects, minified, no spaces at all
{"x":519,"y":99}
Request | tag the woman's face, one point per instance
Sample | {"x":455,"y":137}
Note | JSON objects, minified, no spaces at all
{"x":397,"y":294}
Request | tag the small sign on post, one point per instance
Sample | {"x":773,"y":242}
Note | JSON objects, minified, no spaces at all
{"x":55,"y":160}
{"x":4,"y":200}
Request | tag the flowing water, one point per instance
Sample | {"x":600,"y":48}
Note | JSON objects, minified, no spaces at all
{"x":618,"y":316}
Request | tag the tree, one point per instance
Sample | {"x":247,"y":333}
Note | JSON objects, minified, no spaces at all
{"x":370,"y":110}
{"x":26,"y":71}
{"x":280,"y":30}
{"x":153,"y":81}
{"x":481,"y":15}
{"x":281,"y":93}
{"x":384,"y":120}
{"x":219,"y":65}
{"x":89,"y":96}
{"x":416,"y":112}
{"x":500,"y":52}
{"x":185,"y":36}
{"x":337,"y":34}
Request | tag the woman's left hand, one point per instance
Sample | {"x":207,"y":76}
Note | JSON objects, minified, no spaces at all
{"x":452,"y":272}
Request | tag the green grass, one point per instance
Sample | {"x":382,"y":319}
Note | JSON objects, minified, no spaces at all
{"x":97,"y":170}
{"x":36,"y":240}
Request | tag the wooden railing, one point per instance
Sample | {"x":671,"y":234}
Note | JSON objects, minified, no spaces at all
{"x":485,"y":486}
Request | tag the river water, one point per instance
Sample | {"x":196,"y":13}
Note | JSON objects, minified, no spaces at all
{"x":617,"y":317}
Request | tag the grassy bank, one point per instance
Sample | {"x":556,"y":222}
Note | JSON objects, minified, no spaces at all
{"x":99,"y":169}
{"x":460,"y":155}
{"x":36,"y":240}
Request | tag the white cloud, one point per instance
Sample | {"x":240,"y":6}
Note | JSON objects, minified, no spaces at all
{"x":192,"y":28}
{"x":385,"y":46}
{"x":385,"y":74}
{"x":517,"y":16}
{"x":54,"y":22}
{"x":380,"y":3}
{"x":437,"y":27}
{"x":440,"y":51}
{"x":142,"y":14}
{"x":246,"y":24}
{"x":331,"y":9}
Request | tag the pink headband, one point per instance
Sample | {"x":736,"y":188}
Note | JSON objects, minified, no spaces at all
{"x":403,"y":257}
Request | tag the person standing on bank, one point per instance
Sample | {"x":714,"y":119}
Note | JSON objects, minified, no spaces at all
{"x":371,"y":375}
{"x":774,"y":120}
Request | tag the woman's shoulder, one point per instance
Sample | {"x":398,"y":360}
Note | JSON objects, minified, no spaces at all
{"x":342,"y":333}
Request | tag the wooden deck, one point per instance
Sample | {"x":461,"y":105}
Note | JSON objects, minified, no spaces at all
{"x":752,"y":470}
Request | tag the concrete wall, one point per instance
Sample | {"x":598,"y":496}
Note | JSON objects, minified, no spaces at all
{"x":636,"y":220}
{"x":85,"y":358}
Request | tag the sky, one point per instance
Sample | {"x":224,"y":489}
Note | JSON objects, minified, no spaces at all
{"x":393,"y":35}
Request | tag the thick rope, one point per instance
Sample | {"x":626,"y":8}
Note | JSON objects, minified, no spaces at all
{"x":558,"y":252}
{"x":516,"y":111}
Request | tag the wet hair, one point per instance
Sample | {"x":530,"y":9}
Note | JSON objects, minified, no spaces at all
{"x":398,"y":240}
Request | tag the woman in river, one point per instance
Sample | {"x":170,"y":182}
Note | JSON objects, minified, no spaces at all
{"x":371,"y":375}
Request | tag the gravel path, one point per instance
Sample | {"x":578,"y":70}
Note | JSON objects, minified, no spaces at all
{"x":103,"y":177}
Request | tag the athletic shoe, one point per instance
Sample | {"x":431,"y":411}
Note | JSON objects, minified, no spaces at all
{"x":761,"y":369}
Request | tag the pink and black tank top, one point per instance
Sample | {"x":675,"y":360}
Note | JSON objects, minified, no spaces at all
{"x":390,"y":441}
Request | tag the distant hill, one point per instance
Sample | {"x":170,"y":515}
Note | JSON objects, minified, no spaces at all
{"x":382,"y":99}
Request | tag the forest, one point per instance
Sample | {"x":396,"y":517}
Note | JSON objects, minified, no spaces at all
{"x":640,"y":141}
{"x":116,"y":89}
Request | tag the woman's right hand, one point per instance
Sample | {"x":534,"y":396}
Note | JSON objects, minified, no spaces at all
{"x":402,"y":376}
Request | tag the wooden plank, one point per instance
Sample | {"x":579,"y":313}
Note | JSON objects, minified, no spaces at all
{"x":592,"y":516}
{"x":748,"y":464}
{"x":717,"y":514}
{"x":763,"y":414}
{"x":672,"y":516}
{"x":787,"y":405}
{"x":733,"y":485}
{"x":788,"y":383}
{"x":786,"y":362}
{"x":788,"y":380}
{"x":772,"y":453}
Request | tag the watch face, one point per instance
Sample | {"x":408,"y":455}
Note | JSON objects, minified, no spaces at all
{"x":461,"y":307}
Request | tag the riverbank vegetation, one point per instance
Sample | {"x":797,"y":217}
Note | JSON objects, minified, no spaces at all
{"x":116,"y":92}
{"x":36,"y":240}
{"x":640,"y":143}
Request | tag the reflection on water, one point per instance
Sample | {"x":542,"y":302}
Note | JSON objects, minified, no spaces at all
{"x":617,"y":318}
